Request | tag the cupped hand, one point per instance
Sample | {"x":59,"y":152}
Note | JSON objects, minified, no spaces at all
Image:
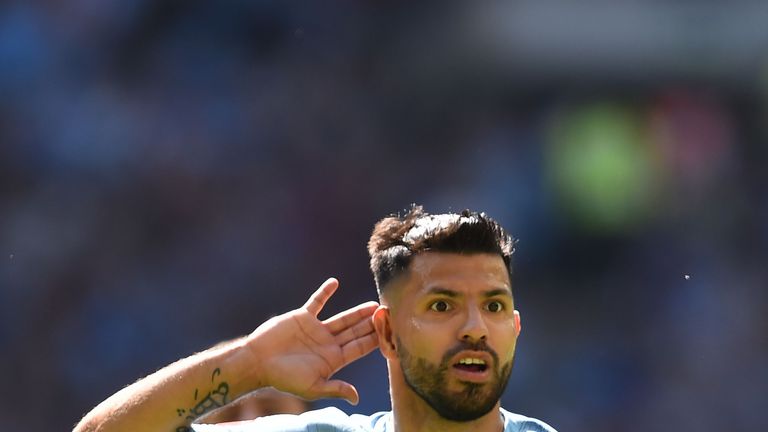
{"x":297,"y":353}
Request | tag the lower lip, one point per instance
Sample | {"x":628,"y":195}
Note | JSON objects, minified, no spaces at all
{"x":471,"y":376}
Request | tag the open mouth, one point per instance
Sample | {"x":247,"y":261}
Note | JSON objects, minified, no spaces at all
{"x":470,"y":364}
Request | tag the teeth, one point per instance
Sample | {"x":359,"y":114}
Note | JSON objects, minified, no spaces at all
{"x":469,"y":361}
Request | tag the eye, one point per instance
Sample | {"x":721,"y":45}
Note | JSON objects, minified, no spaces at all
{"x":495,"y":306}
{"x":439,"y":306}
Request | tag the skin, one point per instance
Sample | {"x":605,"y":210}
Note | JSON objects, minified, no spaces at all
{"x":444,"y":300}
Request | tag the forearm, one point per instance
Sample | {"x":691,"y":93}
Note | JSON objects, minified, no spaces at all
{"x":293,"y":352}
{"x":171,"y":398}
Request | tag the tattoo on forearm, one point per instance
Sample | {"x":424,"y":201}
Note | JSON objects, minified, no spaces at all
{"x":212,"y":400}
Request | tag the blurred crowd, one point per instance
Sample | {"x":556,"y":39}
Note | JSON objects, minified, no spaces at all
{"x":173,"y":173}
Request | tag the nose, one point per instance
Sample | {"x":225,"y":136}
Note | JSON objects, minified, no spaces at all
{"x":474,"y":329}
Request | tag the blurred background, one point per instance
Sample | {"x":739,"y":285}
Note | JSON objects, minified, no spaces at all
{"x":173,"y":173}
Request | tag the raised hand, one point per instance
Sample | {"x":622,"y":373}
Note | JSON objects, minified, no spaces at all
{"x":297,"y":353}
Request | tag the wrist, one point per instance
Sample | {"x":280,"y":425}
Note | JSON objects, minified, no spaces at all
{"x":252,"y":360}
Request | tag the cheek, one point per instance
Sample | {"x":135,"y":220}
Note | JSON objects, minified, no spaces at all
{"x":425,"y":339}
{"x":511,"y":349}
{"x":507,"y":340}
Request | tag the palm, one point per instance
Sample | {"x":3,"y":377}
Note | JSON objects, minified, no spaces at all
{"x":305,"y":352}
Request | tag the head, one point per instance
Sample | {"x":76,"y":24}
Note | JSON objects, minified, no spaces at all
{"x":447,"y":324}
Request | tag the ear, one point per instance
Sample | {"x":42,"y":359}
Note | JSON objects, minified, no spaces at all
{"x":518,"y":327}
{"x":383,"y":326}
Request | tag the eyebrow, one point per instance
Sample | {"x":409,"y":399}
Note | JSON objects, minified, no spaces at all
{"x":498,"y":292}
{"x":443,"y":292}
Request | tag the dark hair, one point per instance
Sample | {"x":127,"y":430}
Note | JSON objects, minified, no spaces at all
{"x":396,"y":240}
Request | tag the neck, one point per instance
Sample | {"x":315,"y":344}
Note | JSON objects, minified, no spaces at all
{"x":412,"y":414}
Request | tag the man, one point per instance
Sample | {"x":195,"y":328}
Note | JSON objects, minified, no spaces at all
{"x":446,"y":326}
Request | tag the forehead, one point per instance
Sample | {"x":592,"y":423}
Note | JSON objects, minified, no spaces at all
{"x":457,"y":272}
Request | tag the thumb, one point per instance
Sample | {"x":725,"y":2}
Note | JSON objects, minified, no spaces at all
{"x":339,"y":389}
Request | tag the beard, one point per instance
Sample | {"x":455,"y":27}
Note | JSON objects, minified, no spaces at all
{"x":430,"y":382}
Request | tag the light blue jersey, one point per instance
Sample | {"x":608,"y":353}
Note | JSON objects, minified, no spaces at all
{"x":334,"y":420}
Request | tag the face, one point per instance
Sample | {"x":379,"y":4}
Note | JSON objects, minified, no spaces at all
{"x":454,"y":330}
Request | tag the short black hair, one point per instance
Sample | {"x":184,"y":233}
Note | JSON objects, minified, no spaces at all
{"x":396,"y":240}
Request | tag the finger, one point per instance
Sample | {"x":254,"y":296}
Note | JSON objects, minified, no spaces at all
{"x":359,"y":347}
{"x":318,"y":299}
{"x":338,"y":389}
{"x":350,"y":317}
{"x":362,"y":328}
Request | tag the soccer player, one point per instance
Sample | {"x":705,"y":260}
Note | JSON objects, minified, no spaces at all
{"x":446,"y":324}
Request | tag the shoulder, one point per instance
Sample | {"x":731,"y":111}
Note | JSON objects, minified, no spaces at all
{"x":322,"y":420}
{"x":520,"y":423}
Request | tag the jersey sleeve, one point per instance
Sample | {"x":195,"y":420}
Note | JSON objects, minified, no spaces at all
{"x":520,"y":423}
{"x":323,"y":420}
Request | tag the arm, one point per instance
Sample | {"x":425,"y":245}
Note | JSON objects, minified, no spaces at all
{"x":294,"y":352}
